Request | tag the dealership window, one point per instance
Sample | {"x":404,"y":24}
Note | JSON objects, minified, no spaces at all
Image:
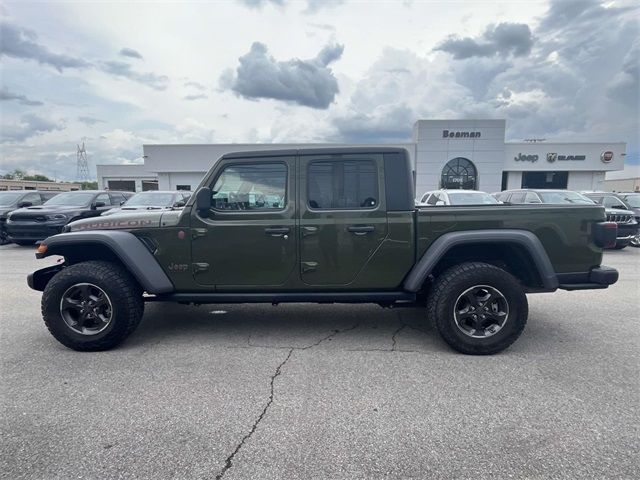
{"x":122,"y":185}
{"x":183,"y":187}
{"x":343,"y":184}
{"x":553,"y":180}
{"x":505,"y":181}
{"x":459,"y":173}
{"x":260,"y":186}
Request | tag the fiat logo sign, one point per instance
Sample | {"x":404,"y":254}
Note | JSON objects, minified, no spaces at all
{"x":606,"y":157}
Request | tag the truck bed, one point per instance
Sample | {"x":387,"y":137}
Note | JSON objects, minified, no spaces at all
{"x":564,"y":230}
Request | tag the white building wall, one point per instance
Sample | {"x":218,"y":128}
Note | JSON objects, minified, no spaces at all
{"x":433,"y":151}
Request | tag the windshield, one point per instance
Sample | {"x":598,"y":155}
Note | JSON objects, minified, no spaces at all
{"x":9,"y":198}
{"x":633,"y":200}
{"x":147,"y":199}
{"x":564,"y":197}
{"x":73,"y":199}
{"x":471,"y":198}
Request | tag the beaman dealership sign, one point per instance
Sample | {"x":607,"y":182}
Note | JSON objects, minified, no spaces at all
{"x":448,"y":134}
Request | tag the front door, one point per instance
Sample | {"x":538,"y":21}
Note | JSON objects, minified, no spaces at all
{"x":342,"y":216}
{"x":248,"y":237}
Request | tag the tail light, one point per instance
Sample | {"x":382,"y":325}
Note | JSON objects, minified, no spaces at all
{"x":604,"y":234}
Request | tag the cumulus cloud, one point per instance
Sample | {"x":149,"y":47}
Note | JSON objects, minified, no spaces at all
{"x":503,"y":39}
{"x":90,"y":121}
{"x":306,"y":82}
{"x":122,"y":69}
{"x":21,"y":43}
{"x":131,"y":53}
{"x":27,"y":127}
{"x":261,"y":3}
{"x":7,"y":95}
{"x":196,"y":85}
{"x":197,"y":96}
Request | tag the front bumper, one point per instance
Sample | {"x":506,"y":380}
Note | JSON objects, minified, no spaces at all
{"x":31,"y":231}
{"x":626,"y":231}
{"x":597,"y":277}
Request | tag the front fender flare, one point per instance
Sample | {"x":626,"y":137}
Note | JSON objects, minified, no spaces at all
{"x":443,"y":244}
{"x":133,"y":254}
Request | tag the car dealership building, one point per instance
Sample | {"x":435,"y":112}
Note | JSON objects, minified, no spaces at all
{"x":470,"y":154}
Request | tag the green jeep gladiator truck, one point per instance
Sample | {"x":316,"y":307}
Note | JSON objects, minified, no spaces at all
{"x":325,"y":226}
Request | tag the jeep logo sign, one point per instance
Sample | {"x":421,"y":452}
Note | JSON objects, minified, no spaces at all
{"x":448,"y":134}
{"x":526,"y":158}
{"x":606,"y":157}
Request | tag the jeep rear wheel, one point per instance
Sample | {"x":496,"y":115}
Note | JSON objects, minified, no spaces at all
{"x":92,"y":306}
{"x":478,"y":308}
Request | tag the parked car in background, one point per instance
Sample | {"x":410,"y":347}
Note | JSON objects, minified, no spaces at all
{"x":27,"y":225}
{"x":152,"y":200}
{"x":625,"y":219}
{"x":456,"y":197}
{"x":13,"y":199}
{"x":620,"y":201}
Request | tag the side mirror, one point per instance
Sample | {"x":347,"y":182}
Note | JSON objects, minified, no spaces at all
{"x":97,"y":205}
{"x":179,"y":204}
{"x":24,"y":204}
{"x":440,"y":202}
{"x":123,"y":202}
{"x":203,"y":200}
{"x":619,"y":207}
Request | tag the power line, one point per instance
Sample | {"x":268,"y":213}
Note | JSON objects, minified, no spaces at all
{"x":82,"y":164}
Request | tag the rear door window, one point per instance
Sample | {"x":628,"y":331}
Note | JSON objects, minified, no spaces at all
{"x":344,"y":184}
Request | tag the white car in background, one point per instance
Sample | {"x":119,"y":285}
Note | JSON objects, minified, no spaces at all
{"x":456,"y":197}
{"x":152,"y":200}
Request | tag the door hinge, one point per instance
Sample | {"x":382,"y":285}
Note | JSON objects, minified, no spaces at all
{"x":200,"y":267}
{"x":309,"y":266}
{"x":198,"y":232}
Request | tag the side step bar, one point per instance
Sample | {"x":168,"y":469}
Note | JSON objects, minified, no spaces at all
{"x":294,"y":297}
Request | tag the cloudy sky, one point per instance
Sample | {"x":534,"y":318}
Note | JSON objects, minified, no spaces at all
{"x":120,"y":74}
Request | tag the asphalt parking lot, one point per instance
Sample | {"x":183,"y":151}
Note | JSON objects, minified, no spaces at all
{"x":308,"y":391}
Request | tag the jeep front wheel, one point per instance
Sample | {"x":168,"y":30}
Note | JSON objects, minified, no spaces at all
{"x":92,"y":306}
{"x":478,"y":308}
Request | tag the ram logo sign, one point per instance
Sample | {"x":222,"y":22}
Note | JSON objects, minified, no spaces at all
{"x":552,"y":157}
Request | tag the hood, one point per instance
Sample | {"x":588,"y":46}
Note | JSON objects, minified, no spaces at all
{"x":125,"y":209}
{"x":45,"y":209}
{"x":127,"y":221}
{"x":619,"y":211}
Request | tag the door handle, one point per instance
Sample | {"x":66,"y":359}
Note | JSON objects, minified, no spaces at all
{"x":361,"y":230}
{"x":276,"y":231}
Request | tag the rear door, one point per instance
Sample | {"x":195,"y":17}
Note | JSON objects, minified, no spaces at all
{"x":343,"y":219}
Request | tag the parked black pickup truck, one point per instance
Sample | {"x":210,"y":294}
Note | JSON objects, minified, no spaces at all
{"x":322,"y":225}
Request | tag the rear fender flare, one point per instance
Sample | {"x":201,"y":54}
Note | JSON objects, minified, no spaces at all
{"x":446,"y":242}
{"x":133,"y":254}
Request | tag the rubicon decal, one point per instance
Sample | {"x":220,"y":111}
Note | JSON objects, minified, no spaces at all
{"x":114,"y":224}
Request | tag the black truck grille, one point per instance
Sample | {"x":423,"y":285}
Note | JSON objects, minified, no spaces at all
{"x":618,"y":218}
{"x":29,"y":218}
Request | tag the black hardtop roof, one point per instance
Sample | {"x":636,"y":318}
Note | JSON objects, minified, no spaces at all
{"x":313,"y":151}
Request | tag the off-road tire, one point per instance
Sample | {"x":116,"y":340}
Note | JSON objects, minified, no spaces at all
{"x":448,"y":287}
{"x":123,"y":291}
{"x":621,"y":245}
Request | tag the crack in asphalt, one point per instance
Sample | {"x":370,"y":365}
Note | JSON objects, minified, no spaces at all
{"x":229,"y":460}
{"x":395,"y":334}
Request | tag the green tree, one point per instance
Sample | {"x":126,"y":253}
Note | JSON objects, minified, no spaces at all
{"x":89,"y":185}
